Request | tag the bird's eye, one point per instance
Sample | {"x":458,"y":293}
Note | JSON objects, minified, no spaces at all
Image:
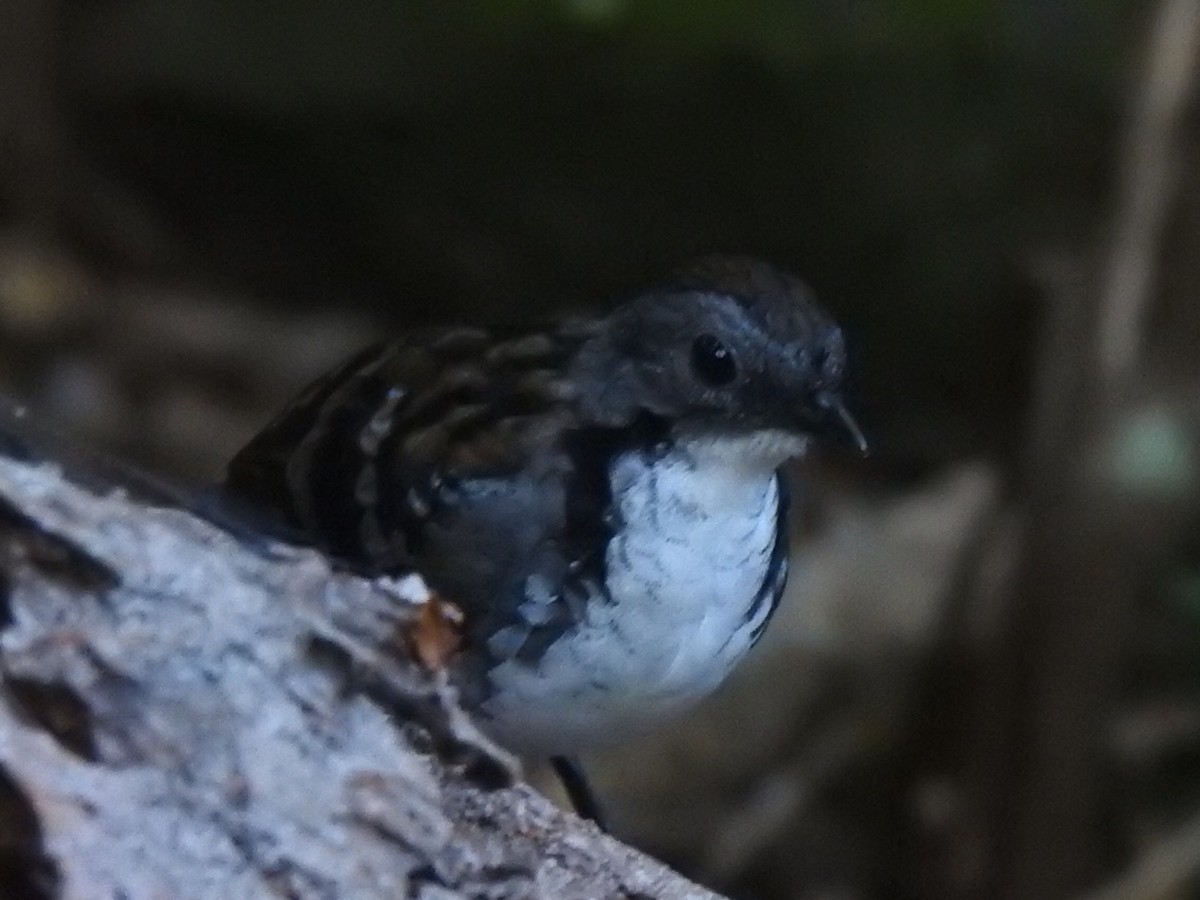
{"x":712,"y":361}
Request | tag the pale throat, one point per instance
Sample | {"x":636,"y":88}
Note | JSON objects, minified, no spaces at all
{"x":747,"y":455}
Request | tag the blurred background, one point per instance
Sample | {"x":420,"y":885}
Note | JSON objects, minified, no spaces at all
{"x":986,"y":680}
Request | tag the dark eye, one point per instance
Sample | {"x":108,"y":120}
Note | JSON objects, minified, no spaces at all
{"x":712,"y":361}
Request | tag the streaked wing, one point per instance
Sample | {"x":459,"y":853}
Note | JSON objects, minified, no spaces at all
{"x":361,"y":460}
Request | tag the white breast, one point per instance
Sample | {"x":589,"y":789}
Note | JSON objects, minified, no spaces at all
{"x":684,"y":570}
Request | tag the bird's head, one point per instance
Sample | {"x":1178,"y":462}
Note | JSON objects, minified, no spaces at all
{"x":728,"y":349}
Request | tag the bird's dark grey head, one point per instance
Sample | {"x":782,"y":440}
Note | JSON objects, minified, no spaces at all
{"x":727,"y":345}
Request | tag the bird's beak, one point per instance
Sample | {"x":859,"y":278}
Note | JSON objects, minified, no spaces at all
{"x":835,"y":421}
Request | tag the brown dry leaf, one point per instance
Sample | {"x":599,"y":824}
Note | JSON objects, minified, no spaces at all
{"x":437,"y":633}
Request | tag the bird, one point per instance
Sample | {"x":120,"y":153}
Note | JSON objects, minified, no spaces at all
{"x":603,"y":498}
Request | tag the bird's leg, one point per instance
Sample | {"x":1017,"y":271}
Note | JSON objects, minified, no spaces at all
{"x":579,"y":792}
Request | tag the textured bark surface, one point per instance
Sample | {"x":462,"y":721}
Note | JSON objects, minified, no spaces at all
{"x":192,"y":712}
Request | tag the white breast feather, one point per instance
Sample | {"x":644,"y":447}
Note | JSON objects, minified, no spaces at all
{"x":683,"y":573}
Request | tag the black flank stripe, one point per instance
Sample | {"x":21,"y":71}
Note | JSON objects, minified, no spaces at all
{"x":775,"y":579}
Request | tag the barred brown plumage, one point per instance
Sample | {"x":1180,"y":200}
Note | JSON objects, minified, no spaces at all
{"x":442,"y":404}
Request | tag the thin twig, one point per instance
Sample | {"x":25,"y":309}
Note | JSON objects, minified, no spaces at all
{"x":1150,"y":164}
